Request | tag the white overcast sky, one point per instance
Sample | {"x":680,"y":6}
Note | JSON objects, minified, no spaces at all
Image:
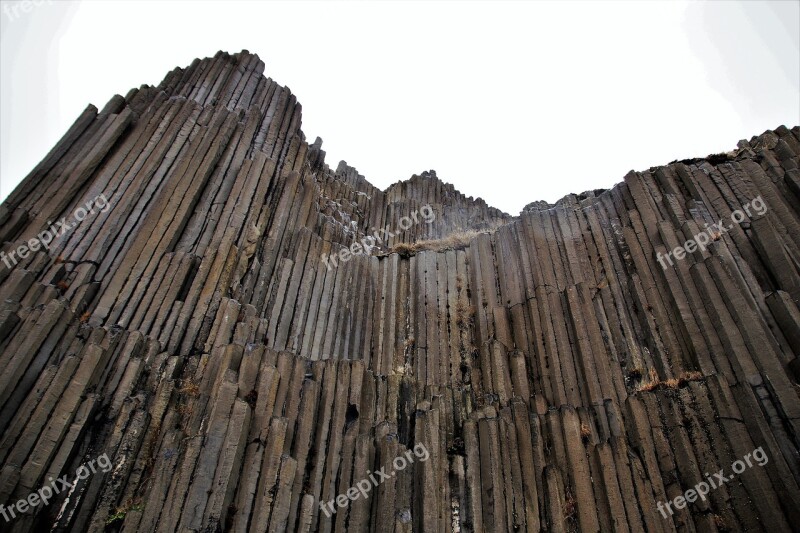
{"x":512,"y":102}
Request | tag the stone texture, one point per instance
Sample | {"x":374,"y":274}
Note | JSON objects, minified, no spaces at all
{"x":193,"y":333}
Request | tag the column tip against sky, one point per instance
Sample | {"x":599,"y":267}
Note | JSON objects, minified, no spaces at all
{"x":511,"y":102}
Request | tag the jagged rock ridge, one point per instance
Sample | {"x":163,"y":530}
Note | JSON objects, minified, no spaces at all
{"x":192,"y":333}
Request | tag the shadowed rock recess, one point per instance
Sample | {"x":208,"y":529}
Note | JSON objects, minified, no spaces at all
{"x":559,"y":378}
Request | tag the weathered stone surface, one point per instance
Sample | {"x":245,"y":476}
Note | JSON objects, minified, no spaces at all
{"x":209,"y":333}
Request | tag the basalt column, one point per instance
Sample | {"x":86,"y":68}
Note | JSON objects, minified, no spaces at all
{"x":204,"y":327}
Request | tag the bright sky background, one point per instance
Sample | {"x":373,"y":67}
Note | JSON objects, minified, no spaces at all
{"x":513,"y":102}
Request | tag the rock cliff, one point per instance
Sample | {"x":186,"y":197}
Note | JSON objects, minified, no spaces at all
{"x":245,"y":333}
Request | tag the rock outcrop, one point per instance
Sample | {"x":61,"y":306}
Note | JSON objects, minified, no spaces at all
{"x":195,"y":320}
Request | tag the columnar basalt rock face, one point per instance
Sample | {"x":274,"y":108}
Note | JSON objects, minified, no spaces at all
{"x":559,"y":369}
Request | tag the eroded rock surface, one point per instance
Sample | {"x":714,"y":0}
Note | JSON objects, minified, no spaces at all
{"x":559,"y":376}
